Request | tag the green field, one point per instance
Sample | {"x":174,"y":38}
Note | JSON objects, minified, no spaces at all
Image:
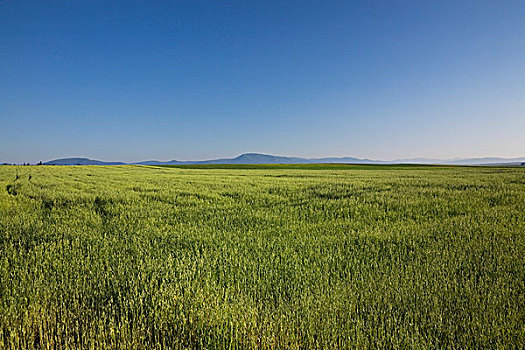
{"x":269,"y":257}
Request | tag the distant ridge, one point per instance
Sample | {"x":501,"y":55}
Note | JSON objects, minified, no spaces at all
{"x":258,"y":158}
{"x":80,"y":161}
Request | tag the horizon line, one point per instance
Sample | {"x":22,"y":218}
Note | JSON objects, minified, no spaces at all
{"x":399,"y":159}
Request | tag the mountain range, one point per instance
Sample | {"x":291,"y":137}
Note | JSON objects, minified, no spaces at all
{"x":257,"y":158}
{"x":80,"y":161}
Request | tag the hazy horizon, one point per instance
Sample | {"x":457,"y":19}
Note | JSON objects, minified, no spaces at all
{"x":237,"y":155}
{"x":204,"y":79}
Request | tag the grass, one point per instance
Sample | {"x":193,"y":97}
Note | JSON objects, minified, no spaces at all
{"x":270,"y":257}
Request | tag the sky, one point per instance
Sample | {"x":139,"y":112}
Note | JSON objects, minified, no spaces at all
{"x":189,"y":80}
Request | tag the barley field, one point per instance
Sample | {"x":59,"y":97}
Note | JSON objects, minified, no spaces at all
{"x":269,"y":257}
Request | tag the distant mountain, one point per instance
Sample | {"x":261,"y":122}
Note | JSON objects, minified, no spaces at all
{"x":466,"y":161}
{"x":257,"y":158}
{"x":80,"y":161}
{"x":486,"y":161}
{"x":420,"y":161}
{"x":254,"y":158}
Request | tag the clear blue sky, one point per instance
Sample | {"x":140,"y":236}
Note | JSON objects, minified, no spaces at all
{"x":131,"y":81}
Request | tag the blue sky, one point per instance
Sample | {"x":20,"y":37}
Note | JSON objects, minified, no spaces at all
{"x":131,"y":81}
